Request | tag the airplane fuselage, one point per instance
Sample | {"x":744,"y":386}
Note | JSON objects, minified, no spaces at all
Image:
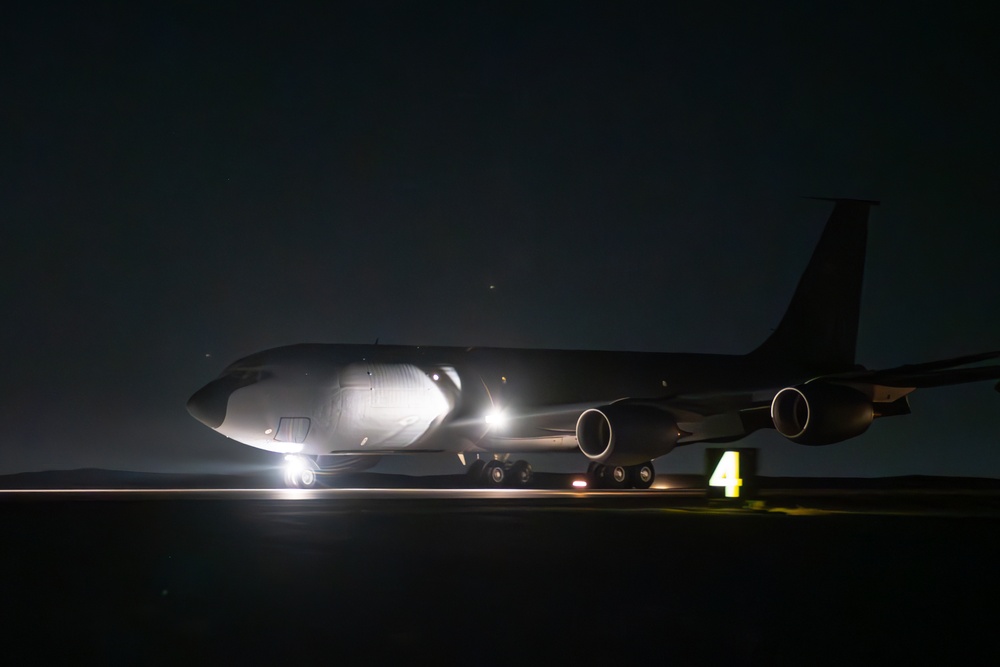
{"x":361,"y":399}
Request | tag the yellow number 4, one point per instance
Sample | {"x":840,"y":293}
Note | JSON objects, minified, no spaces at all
{"x":727,"y":474}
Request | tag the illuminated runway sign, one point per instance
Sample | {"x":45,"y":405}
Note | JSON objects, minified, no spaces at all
{"x":731,"y":473}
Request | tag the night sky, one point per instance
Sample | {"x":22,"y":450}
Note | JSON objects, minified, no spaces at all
{"x":184,"y":185}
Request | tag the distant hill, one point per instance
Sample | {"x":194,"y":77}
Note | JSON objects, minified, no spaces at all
{"x":902,"y":483}
{"x":98,"y":478}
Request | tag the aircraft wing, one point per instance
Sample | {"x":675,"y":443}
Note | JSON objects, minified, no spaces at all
{"x":723,"y":418}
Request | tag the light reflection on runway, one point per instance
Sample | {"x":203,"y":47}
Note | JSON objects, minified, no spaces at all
{"x":356,"y":493}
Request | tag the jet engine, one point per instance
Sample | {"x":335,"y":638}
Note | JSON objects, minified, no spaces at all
{"x":821,"y":414}
{"x":623,"y":434}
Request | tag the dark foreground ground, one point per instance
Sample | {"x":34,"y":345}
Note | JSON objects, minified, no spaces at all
{"x":504,"y":580}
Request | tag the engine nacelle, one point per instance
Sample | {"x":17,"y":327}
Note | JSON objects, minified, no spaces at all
{"x":821,"y":414}
{"x":619,"y":434}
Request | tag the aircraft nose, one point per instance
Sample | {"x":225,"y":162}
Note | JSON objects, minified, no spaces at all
{"x":208,"y":404}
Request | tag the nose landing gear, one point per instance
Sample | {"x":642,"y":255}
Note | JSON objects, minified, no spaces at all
{"x":300,"y":472}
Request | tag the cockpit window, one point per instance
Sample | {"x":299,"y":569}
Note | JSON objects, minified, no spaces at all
{"x":245,"y":371}
{"x":247,"y":375}
{"x":237,"y":376}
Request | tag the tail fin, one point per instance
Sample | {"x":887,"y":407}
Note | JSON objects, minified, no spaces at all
{"x":819,"y":332}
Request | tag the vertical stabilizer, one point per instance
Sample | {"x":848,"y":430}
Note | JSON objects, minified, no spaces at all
{"x":819,"y":332}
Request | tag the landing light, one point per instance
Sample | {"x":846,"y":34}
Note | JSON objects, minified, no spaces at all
{"x":294,"y":463}
{"x":496,"y":417}
{"x":579,"y":484}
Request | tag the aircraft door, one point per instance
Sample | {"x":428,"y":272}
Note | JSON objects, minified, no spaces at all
{"x":292,"y":429}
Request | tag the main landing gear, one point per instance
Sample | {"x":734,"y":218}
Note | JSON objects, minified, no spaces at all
{"x":495,"y":474}
{"x":639,"y":476}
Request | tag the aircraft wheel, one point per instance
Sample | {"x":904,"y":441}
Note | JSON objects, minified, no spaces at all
{"x":474,"y":473}
{"x":597,"y":474}
{"x":643,"y":475}
{"x":494,"y":474}
{"x":617,"y":477}
{"x":300,"y":472}
{"x":307,"y":478}
{"x":520,"y":474}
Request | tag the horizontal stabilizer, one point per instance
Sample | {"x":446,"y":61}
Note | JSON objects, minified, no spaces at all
{"x":947,"y":363}
{"x":931,"y":374}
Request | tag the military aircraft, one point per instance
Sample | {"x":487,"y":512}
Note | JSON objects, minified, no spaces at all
{"x":329,"y":408}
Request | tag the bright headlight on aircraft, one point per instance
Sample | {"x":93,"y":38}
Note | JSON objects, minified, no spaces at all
{"x":294,"y":463}
{"x":579,"y":483}
{"x":495,"y":418}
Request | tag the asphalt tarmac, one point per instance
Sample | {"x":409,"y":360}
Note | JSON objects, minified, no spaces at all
{"x":373,"y":577}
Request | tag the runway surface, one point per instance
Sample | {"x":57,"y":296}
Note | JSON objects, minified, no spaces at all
{"x":371,"y":577}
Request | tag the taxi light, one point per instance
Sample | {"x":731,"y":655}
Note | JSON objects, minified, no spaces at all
{"x":294,"y":463}
{"x":579,"y":484}
{"x":495,"y":418}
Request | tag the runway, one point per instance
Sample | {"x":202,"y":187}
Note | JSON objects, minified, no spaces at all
{"x":351,"y":493}
{"x":371,"y":577}
{"x":914,"y":502}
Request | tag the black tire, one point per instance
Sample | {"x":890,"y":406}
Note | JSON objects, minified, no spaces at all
{"x":475,"y":472}
{"x":617,"y":477}
{"x":494,"y":474}
{"x":302,"y":476}
{"x":643,"y":475}
{"x":597,"y":474}
{"x":308,"y":478}
{"x":520,"y":474}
